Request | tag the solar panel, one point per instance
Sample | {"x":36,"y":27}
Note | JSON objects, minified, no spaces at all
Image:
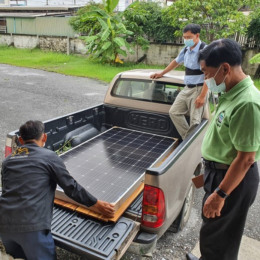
{"x":112,"y":165}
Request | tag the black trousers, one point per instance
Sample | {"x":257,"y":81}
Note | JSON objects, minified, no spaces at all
{"x":37,"y":245}
{"x":220,"y":237}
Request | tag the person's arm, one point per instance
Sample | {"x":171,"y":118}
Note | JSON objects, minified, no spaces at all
{"x":75,"y":191}
{"x":175,"y":63}
{"x":200,"y":100}
{"x":170,"y":67}
{"x":238,"y":169}
{"x":233,"y":177}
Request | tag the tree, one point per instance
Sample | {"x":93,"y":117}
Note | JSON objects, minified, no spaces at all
{"x":89,"y":25}
{"x":106,"y":45}
{"x":219,"y":19}
{"x":253,"y":31}
{"x":253,"y":34}
{"x":148,"y":22}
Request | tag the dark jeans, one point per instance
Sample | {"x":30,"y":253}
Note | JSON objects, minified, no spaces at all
{"x":220,"y":237}
{"x":38,"y":245}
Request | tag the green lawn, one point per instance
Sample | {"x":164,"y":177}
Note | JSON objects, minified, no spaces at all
{"x":69,"y":65}
{"x":61,"y":63}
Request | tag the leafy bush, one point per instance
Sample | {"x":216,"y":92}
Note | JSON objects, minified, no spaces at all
{"x":86,"y":25}
{"x":107,"y":44}
{"x":255,"y":59}
{"x":219,"y":19}
{"x":149,"y":21}
{"x":253,"y":30}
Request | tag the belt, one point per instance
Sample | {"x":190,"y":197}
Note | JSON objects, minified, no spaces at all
{"x":217,"y":166}
{"x":194,"y":85}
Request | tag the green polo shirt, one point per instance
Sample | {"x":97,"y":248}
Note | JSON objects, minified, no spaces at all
{"x":236,"y":125}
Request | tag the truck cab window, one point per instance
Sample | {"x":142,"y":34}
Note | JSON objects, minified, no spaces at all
{"x":153,"y":91}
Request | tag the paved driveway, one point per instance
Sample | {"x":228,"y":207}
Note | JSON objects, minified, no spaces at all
{"x":34,"y":94}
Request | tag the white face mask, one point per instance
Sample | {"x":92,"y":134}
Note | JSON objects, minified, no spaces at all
{"x":212,"y":85}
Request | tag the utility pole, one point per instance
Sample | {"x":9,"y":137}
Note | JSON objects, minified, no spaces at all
{"x":47,"y":2}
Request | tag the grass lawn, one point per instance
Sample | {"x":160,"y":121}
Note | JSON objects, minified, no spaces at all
{"x":69,"y":65}
{"x":61,"y":63}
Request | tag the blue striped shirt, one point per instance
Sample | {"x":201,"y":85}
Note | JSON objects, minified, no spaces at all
{"x":190,"y":60}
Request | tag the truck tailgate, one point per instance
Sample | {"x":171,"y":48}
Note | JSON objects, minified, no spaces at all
{"x":91,"y":238}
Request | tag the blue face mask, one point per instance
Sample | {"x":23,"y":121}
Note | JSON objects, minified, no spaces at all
{"x":189,"y":42}
{"x":212,"y":85}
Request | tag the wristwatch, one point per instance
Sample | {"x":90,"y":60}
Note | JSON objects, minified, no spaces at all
{"x":221,"y":193}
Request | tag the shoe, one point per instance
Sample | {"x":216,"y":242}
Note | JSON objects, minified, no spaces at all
{"x":190,"y":256}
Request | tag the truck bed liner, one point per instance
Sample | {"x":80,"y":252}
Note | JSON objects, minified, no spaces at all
{"x":136,"y":206}
{"x":89,"y":237}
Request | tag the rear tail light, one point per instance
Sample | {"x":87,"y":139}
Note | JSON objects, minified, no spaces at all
{"x":8,"y":150}
{"x":153,"y":214}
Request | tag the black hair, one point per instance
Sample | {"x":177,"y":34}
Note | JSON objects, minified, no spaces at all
{"x":31,"y":130}
{"x":220,"y":51}
{"x":194,"y":28}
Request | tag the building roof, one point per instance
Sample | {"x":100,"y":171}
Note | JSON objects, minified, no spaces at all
{"x":39,"y":8}
{"x":32,"y":14}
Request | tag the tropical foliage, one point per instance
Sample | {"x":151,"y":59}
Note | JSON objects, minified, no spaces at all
{"x":148,"y":22}
{"x":253,"y":31}
{"x":255,"y":59}
{"x":86,"y":25}
{"x":110,"y":34}
{"x":111,"y":41}
{"x":219,"y":19}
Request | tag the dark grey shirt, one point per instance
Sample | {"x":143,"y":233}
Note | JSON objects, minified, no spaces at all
{"x":29,"y":180}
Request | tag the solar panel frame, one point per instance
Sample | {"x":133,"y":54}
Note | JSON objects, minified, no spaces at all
{"x":127,"y":154}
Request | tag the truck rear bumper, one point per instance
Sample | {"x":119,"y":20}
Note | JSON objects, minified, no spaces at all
{"x":143,"y":244}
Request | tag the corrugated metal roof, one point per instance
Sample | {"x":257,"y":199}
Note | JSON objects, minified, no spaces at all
{"x":40,"y":8}
{"x":32,"y":15}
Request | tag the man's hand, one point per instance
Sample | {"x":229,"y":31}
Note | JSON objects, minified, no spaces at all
{"x":213,"y":206}
{"x":156,"y":76}
{"x":199,"y":102}
{"x":105,"y":208}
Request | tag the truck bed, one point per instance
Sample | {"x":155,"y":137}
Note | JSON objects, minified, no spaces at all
{"x":91,"y":238}
{"x":86,"y":236}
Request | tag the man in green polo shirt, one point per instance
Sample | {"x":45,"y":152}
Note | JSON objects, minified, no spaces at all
{"x":230,"y":150}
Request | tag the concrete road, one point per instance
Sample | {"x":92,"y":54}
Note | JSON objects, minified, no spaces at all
{"x":34,"y":94}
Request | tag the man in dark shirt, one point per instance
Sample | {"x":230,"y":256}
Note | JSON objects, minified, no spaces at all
{"x":29,"y":179}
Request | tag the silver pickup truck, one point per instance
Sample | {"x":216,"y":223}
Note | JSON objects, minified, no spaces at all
{"x":135,"y":102}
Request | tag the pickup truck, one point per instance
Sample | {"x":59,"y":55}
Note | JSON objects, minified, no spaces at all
{"x":133,"y":101}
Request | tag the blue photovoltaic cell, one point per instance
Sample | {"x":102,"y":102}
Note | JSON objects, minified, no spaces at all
{"x":110,"y":163}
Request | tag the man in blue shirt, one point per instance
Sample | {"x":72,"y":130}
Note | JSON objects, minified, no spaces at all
{"x":192,"y":98}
